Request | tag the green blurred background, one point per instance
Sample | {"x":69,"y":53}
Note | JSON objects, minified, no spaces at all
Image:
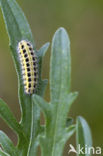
{"x":83,"y":20}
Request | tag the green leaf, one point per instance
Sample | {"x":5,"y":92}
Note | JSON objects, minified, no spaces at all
{"x":56,"y":133}
{"x":43,"y":87}
{"x":69,"y":132}
{"x":35,"y":108}
{"x":60,"y":66}
{"x":7,"y":145}
{"x":42,"y":83}
{"x":65,"y":104}
{"x":18,"y":29}
{"x":2,"y":153}
{"x":46,"y":108}
{"x":41,"y":52}
{"x":83,"y":135}
{"x":15,"y":21}
{"x":9,"y":118}
{"x":35,"y":129}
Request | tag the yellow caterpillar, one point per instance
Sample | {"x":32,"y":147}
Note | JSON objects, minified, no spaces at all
{"x":29,"y":66}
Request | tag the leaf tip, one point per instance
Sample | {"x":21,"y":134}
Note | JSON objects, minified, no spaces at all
{"x":43,"y":49}
{"x":47,"y":44}
{"x":62,"y":31}
{"x":83,"y":132}
{"x":80,"y":119}
{"x":76,"y":94}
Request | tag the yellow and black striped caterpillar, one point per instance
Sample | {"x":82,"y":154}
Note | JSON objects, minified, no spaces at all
{"x":29,"y":66}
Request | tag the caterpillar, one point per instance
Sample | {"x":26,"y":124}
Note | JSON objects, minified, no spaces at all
{"x":29,"y":66}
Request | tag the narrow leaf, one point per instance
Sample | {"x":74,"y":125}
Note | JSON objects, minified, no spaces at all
{"x":9,"y":118}
{"x":15,"y":20}
{"x":3,"y":153}
{"x":66,"y":103}
{"x":63,"y":107}
{"x":46,"y":108}
{"x":56,"y":134}
{"x":7,"y":144}
{"x":83,"y":135}
{"x":37,"y":103}
{"x":43,"y":85}
{"x":69,"y":132}
{"x":35,"y":126}
{"x":60,"y":74}
{"x":41,"y":52}
{"x":18,"y":29}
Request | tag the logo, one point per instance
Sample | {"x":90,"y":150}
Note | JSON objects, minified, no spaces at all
{"x":85,"y":150}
